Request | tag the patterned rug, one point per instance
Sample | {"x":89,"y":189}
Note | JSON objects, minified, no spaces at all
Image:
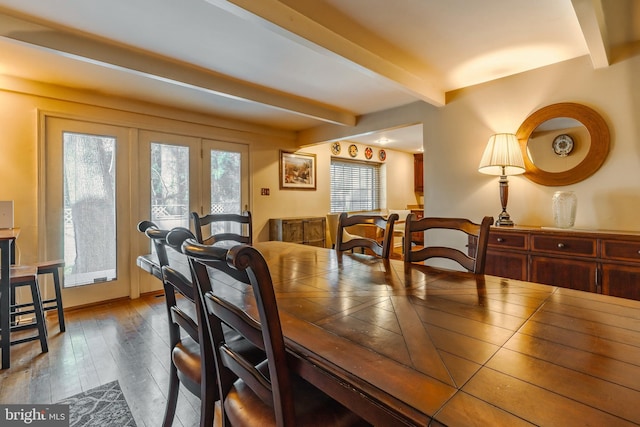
{"x":103,"y":406}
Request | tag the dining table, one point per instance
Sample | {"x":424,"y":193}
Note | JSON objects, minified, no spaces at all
{"x":7,"y":239}
{"x":410,"y":344}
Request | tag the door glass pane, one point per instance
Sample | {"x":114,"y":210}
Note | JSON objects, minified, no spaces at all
{"x":169,"y":185}
{"x":225,"y":187}
{"x":89,"y":208}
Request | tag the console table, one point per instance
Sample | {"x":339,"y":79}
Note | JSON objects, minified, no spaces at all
{"x":606,"y":262}
{"x":305,"y":230}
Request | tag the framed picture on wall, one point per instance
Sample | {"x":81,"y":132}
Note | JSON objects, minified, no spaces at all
{"x":297,"y":171}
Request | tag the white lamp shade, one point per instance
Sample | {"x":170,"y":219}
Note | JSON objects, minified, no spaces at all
{"x":502,"y":156}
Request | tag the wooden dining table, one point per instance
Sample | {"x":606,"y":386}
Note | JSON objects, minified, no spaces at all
{"x":408,"y":344}
{"x":7,"y":239}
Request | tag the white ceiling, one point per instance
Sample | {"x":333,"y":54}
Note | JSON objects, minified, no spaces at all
{"x":298,"y":64}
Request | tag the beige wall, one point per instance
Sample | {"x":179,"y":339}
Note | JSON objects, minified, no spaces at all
{"x":285,"y":203}
{"x":455,"y":137}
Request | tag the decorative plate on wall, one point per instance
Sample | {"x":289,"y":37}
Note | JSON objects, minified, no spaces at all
{"x":382,"y":155}
{"x":562,"y":145}
{"x":353,"y":150}
{"x":368,"y":153}
{"x":335,"y":148}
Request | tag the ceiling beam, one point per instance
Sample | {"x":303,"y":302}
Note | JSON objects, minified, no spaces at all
{"x":126,"y":59}
{"x":594,"y":28}
{"x":302,"y":29}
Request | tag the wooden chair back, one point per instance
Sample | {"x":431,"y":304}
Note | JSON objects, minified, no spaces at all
{"x":273,"y":387}
{"x":346,"y":241}
{"x":213,"y":228}
{"x":473,"y":262}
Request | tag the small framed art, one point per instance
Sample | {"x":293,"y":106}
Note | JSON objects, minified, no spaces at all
{"x":297,"y":171}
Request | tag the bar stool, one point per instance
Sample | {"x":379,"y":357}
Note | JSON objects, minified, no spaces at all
{"x":53,"y":267}
{"x":27,"y":276}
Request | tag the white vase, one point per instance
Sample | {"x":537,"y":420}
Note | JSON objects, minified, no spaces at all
{"x":564,"y":204}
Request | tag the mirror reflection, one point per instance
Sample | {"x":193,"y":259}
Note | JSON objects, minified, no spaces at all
{"x":563,"y":143}
{"x":558,"y":144}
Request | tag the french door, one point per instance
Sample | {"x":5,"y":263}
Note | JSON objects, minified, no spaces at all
{"x":181,"y":174}
{"x":86,"y":207}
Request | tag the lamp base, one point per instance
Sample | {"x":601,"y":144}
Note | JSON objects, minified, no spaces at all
{"x":504,"y":220}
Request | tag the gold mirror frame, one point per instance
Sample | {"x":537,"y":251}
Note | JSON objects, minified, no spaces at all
{"x":600,"y":140}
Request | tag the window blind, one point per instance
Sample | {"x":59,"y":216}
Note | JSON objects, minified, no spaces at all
{"x":355,"y":186}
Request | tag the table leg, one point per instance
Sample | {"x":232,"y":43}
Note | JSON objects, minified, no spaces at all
{"x":5,"y":289}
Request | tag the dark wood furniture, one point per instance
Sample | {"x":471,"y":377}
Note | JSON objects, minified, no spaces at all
{"x":192,"y":361}
{"x":604,"y":262}
{"x":7,"y":239}
{"x":267,"y":393}
{"x":345,"y":241}
{"x":406,"y":344}
{"x":213,"y":228}
{"x":473,"y":260}
{"x":418,"y":173}
{"x":303,"y":230}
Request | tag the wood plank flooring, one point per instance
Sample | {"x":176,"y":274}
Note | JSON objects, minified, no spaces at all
{"x":124,"y":340}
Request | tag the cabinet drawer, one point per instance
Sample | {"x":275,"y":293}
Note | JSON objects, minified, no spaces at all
{"x":567,"y":273}
{"x":508,"y":240}
{"x":620,"y":250}
{"x":564,"y":245}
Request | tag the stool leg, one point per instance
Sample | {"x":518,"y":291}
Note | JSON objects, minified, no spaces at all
{"x":39,"y":313}
{"x":56,"y":284}
{"x":12,"y":293}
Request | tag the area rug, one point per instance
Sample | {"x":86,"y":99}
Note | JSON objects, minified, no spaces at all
{"x":103,"y":406}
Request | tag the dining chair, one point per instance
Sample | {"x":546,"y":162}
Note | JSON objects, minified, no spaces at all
{"x":473,"y":261}
{"x":267,"y":393}
{"x":212,"y":228}
{"x":345,"y":241}
{"x":192,"y":360}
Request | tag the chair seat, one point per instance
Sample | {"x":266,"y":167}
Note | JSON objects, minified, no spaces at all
{"x":312,"y":407}
{"x":49,"y":266}
{"x":186,"y":357}
{"x":23,"y":274}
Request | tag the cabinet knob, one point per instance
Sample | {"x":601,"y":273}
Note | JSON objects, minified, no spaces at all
{"x":500,"y":239}
{"x":560,"y":245}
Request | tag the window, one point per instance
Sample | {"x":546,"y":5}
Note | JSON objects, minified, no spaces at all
{"x":89,"y":194}
{"x":355,"y":186}
{"x":169,"y":185}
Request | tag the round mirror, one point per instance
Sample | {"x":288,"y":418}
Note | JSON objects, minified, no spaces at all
{"x":563,"y":143}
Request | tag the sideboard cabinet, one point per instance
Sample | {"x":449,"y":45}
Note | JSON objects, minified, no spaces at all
{"x":596,"y":261}
{"x":304,"y":230}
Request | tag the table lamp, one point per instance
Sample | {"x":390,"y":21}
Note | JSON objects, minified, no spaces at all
{"x":502,"y":157}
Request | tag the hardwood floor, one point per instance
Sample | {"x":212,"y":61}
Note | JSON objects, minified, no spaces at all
{"x":124,"y":341}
